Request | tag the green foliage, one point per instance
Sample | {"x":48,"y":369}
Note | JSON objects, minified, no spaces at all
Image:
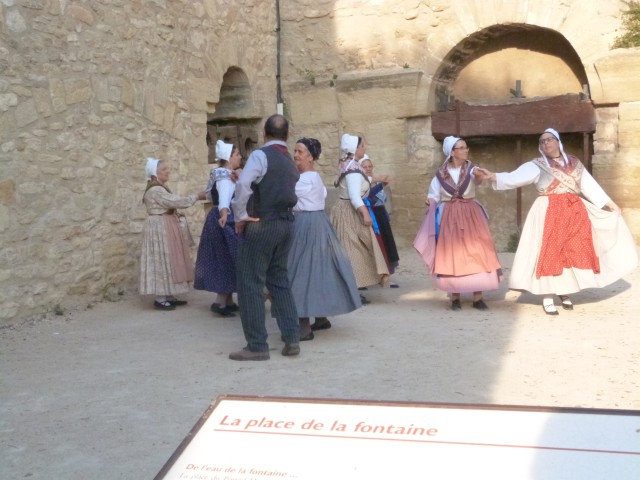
{"x":286,"y":111}
{"x":631,"y":27}
{"x":309,"y":74}
{"x":512,"y":245}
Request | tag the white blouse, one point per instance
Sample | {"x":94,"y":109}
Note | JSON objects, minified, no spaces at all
{"x":356,"y":189}
{"x":224,"y":185}
{"x":529,"y":172}
{"x":435,"y":188}
{"x":311,"y":193}
{"x":226,"y":188}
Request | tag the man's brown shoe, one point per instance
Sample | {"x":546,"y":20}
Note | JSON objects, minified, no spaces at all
{"x":291,"y":349}
{"x":246,"y":354}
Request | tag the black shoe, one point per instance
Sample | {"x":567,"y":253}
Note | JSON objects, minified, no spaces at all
{"x":363,"y":288}
{"x":306,"y":338}
{"x":177,"y":303}
{"x":480,"y":305}
{"x":163,"y":305}
{"x":364,"y":301}
{"x":222,"y":311}
{"x":321,"y":325}
{"x":394,"y":285}
{"x":455,"y":305}
{"x":232,"y":307}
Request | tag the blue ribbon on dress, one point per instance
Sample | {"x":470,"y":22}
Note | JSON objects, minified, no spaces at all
{"x":438,"y":218}
{"x":374,"y":224}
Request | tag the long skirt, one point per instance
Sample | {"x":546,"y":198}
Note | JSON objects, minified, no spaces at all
{"x":217,"y":255}
{"x":165,"y":260}
{"x":455,"y":242}
{"x":322,"y":280}
{"x":613,"y":243}
{"x":359,"y":241}
{"x":384,"y":225}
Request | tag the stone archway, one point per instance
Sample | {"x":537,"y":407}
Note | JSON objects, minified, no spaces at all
{"x":499,"y":89}
{"x":533,"y":51}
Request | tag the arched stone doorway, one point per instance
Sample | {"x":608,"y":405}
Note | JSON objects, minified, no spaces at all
{"x":234,"y":118}
{"x":485,"y":65}
{"x":500,"y":88}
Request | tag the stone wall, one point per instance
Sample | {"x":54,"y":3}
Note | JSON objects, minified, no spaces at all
{"x":616,"y":162}
{"x":89,"y":88}
{"x":475,"y":50}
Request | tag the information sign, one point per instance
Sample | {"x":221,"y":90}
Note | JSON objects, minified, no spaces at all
{"x":257,"y":438}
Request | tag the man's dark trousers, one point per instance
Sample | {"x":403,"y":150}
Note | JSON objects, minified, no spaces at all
{"x":262,"y":260}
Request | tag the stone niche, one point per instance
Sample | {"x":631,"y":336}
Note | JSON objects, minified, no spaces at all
{"x":234,"y":119}
{"x":236,"y":98}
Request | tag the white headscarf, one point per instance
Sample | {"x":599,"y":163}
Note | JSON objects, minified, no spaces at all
{"x":448,"y":144}
{"x":152,"y":167}
{"x":557,"y":135}
{"x":349,"y":143}
{"x":223,"y":150}
{"x":365,"y":157}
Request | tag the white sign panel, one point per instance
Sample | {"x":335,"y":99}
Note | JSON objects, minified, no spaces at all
{"x":253,"y":438}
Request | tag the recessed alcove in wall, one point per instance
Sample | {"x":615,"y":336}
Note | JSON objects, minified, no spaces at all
{"x":233,"y":119}
{"x":236,"y":98}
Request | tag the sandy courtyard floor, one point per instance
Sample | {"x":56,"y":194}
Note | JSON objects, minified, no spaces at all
{"x":110,"y":391}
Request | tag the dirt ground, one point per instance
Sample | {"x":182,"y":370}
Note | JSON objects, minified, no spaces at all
{"x":110,"y":391}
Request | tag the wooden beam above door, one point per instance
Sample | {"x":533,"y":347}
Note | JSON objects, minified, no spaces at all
{"x":566,"y":113}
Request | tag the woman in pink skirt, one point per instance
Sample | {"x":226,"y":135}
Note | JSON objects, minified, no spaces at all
{"x":454,"y":239}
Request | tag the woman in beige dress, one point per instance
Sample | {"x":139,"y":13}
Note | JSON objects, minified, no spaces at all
{"x":352,"y":221}
{"x":166,"y":268}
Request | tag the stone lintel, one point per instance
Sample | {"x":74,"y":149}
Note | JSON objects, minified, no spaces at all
{"x":382,"y":79}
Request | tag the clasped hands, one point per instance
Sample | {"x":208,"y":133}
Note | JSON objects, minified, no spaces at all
{"x":482,"y":173}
